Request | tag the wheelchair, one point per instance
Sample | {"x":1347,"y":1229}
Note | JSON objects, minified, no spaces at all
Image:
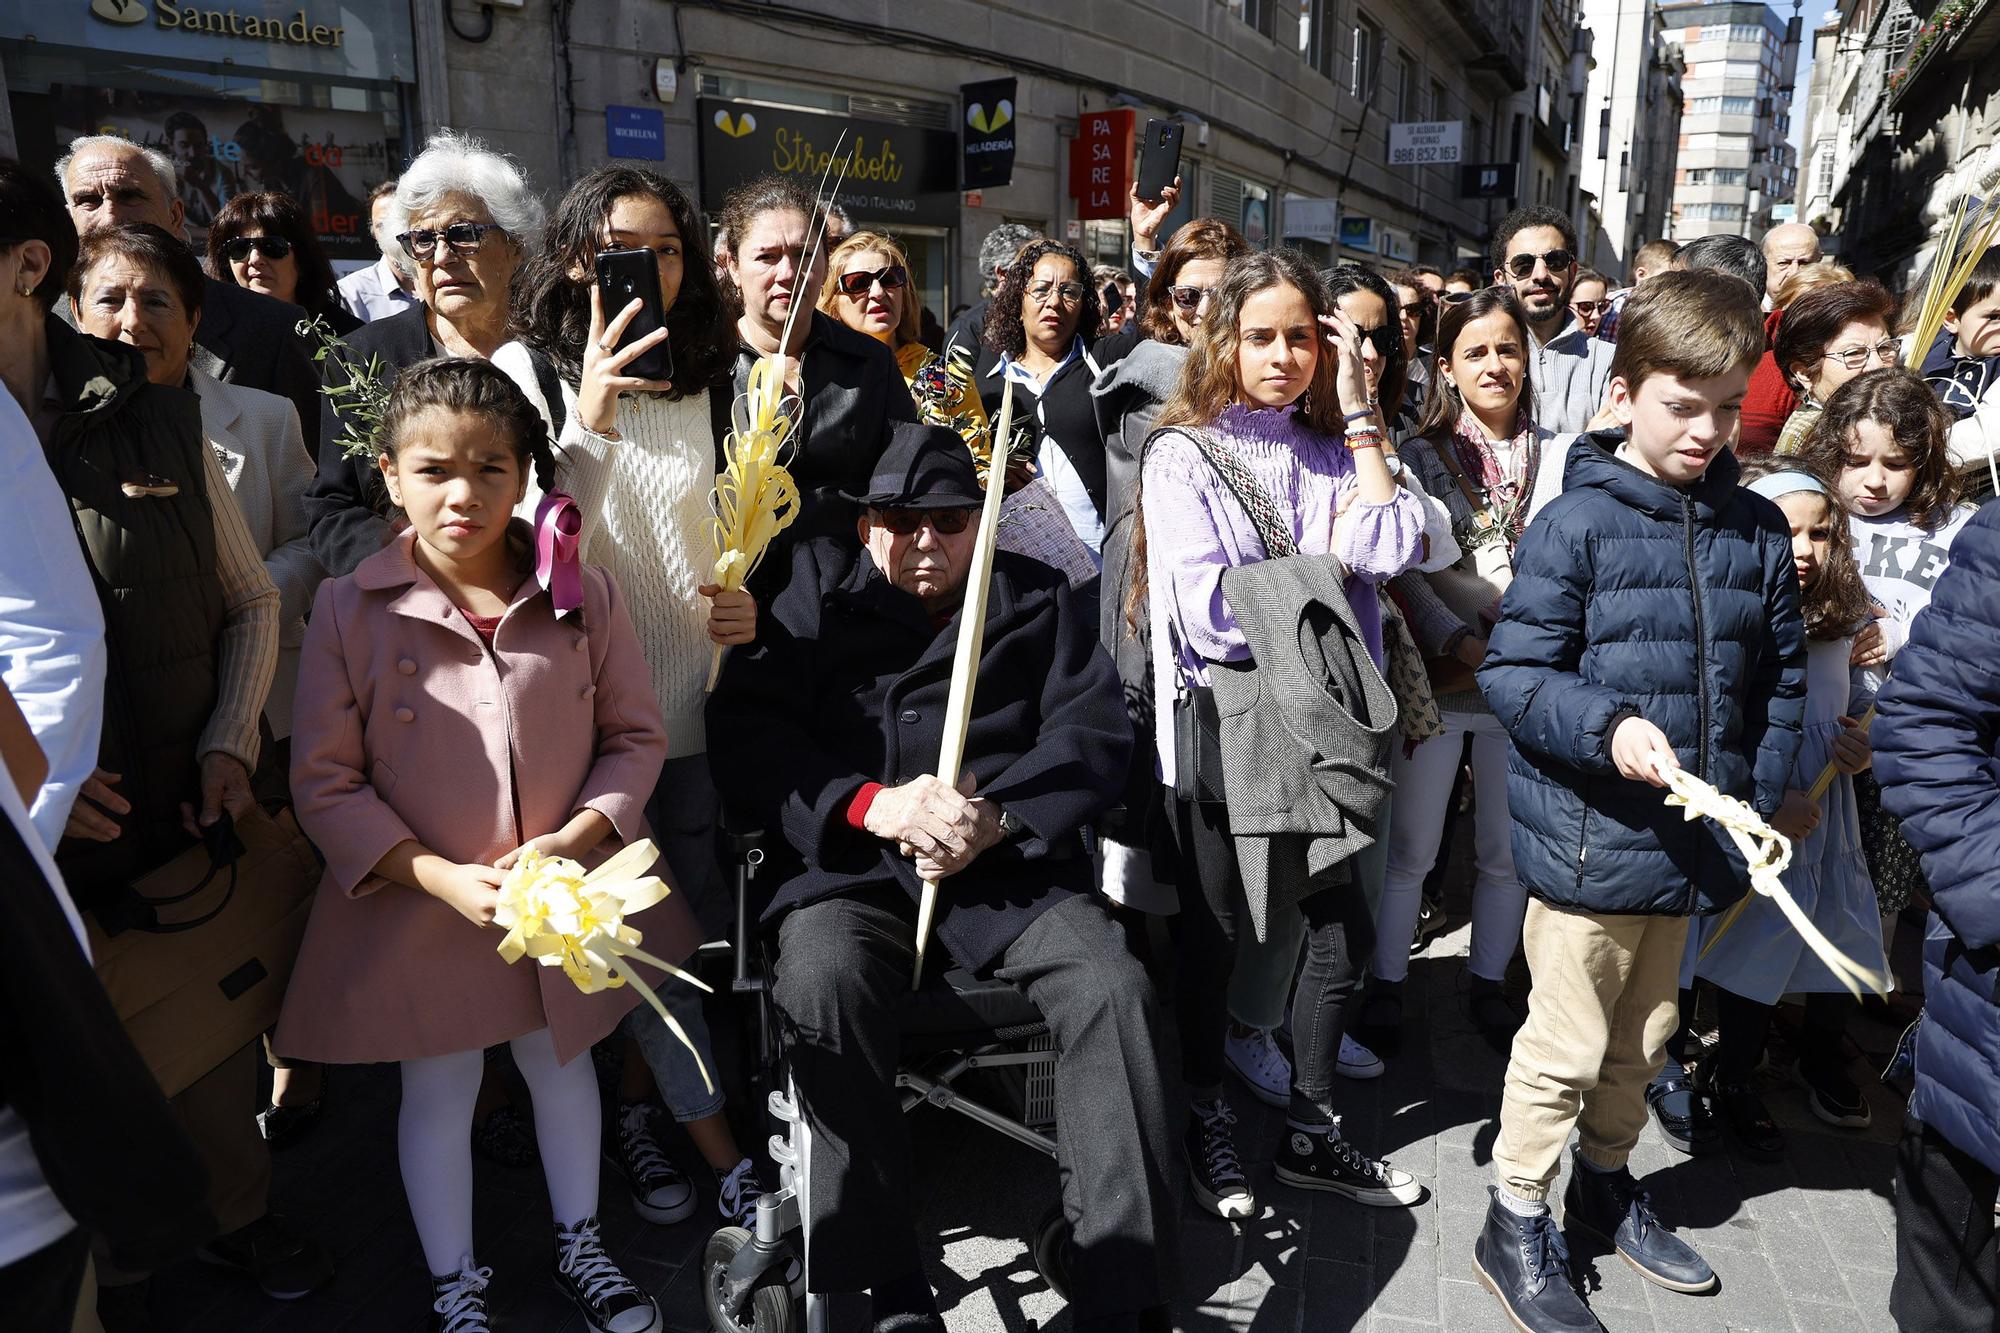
{"x":753,"y":1280}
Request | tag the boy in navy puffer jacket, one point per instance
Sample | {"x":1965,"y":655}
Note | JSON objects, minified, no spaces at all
{"x":1937,"y":753}
{"x":1653,"y":622}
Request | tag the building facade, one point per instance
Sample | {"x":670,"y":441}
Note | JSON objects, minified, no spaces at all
{"x":1632,"y":126}
{"x":1735,"y":160}
{"x":1290,"y":106}
{"x":1906,"y":122}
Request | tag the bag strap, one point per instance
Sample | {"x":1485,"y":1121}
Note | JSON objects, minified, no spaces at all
{"x":1256,"y":502}
{"x":1447,"y":453}
{"x":131,"y":910}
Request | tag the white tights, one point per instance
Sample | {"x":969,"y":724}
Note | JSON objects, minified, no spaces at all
{"x":434,"y":1141}
{"x":1423,"y":789}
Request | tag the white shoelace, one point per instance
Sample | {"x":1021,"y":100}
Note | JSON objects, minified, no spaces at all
{"x":462,"y":1301}
{"x":740,"y":1191}
{"x":1218,"y":1147}
{"x":642,"y":1151}
{"x":584,"y":1261}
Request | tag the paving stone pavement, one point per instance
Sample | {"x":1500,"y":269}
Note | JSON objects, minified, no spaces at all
{"x":1804,"y":1244}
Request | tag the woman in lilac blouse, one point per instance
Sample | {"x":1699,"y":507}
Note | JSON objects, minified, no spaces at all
{"x":1276,"y":377}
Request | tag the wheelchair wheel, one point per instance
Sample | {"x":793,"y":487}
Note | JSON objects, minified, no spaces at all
{"x":1051,"y":1249}
{"x":771,"y":1308}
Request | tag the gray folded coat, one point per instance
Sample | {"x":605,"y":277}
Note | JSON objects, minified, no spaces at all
{"x":1306,"y":730}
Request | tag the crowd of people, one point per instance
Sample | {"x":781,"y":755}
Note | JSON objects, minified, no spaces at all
{"x":1292,"y":561}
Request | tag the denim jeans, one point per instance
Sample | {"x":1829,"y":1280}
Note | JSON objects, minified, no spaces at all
{"x":683,"y":815}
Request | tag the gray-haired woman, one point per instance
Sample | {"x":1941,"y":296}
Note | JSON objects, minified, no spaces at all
{"x":461,"y":219}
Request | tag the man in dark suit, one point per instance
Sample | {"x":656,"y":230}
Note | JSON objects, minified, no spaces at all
{"x":244,"y":337}
{"x":835,"y":717}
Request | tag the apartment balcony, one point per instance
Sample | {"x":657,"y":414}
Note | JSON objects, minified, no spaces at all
{"x":1499,"y":30}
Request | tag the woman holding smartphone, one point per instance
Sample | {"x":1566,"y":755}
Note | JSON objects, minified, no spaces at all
{"x":637,"y":458}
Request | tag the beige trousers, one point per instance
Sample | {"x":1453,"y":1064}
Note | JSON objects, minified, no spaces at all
{"x":1603,"y":1003}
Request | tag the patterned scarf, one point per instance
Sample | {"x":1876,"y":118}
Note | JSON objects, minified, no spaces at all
{"x":1507,"y":486}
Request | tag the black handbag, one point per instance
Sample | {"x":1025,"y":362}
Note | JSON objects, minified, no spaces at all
{"x":1197,"y":725}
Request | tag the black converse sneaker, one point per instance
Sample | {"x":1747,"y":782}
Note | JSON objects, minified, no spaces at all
{"x":1213,"y":1168}
{"x":1320,"y":1159}
{"x":740,"y":1190}
{"x":603,"y":1295}
{"x":660,"y":1193}
{"x":459,"y":1300}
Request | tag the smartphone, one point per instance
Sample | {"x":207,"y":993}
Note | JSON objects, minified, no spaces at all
{"x":621,"y":276}
{"x":1159,"y":157}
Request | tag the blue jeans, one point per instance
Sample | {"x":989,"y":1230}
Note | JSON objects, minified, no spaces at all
{"x":683,"y":815}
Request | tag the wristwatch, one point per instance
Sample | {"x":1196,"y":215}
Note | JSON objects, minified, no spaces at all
{"x":1009,"y":824}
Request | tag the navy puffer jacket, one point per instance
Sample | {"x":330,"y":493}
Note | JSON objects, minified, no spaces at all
{"x":1678,"y":605}
{"x":1937,"y":753}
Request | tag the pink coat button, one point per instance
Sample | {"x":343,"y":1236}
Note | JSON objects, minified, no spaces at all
{"x":588,"y":691}
{"x":581,"y":643}
{"x":407,"y":667}
{"x":405,"y":715}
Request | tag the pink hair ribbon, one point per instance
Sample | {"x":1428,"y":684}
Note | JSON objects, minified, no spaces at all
{"x":558,"y":544}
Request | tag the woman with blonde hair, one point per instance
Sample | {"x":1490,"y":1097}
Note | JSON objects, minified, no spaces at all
{"x":867,"y":288}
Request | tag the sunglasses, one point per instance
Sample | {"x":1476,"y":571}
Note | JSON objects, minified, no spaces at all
{"x":1589,"y":308}
{"x":1190,"y":298}
{"x":271,"y":247}
{"x":1854,"y":358}
{"x":1069,"y":293}
{"x":1456,"y":298}
{"x":1415,"y":309}
{"x":464,"y":238}
{"x":903,"y":522}
{"x":857,"y":282}
{"x":1557,"y":260}
{"x":1386,"y":339}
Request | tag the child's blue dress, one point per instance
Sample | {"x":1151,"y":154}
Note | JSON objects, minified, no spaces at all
{"x":1762,"y":957}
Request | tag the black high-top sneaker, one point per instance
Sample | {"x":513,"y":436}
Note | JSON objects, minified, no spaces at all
{"x":1214,"y":1170}
{"x":1320,"y":1159}
{"x":660,"y":1193}
{"x":608,"y":1300}
{"x":458,"y":1300}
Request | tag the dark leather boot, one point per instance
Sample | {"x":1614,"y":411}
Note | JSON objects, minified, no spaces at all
{"x":1610,"y":1206}
{"x":1524,"y":1262}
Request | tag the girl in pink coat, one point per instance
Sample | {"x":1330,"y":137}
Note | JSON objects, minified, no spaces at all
{"x":447,"y":718}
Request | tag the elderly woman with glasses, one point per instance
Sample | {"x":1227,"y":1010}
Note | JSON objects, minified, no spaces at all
{"x":263,"y":242}
{"x":462,"y":218}
{"x":1831,"y":335}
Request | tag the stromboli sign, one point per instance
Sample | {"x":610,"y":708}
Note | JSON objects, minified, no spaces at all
{"x":893,"y":172}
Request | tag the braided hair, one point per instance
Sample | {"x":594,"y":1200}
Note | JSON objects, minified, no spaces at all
{"x":471,"y":384}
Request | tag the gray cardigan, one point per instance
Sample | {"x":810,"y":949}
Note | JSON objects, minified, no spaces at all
{"x":1571,"y":373}
{"x":1306,"y":731}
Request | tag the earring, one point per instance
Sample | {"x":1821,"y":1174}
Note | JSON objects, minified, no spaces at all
{"x":27,"y":291}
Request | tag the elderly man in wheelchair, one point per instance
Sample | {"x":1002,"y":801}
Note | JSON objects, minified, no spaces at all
{"x":830,"y":726}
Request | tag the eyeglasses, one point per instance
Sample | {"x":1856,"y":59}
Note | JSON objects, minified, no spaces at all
{"x":271,"y":247}
{"x":1589,"y":308}
{"x":1386,"y":339}
{"x":1190,"y":298}
{"x":857,"y":282}
{"x":464,"y":238}
{"x":1523,"y":265}
{"x":1854,"y":358}
{"x":903,"y":522}
{"x":1069,"y":293}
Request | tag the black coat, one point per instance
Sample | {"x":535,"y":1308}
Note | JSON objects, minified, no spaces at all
{"x":847,"y":684}
{"x":852,"y":391}
{"x":251,"y":339}
{"x":345,"y":517}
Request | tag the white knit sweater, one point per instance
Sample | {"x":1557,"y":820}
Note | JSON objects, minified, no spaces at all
{"x":645,"y":503}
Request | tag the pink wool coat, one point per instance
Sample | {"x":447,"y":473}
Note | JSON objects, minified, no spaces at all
{"x":408,"y":727}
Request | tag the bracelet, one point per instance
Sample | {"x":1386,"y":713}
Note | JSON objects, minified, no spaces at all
{"x":1146,"y":256}
{"x":1359,"y":414}
{"x":1356,"y":444}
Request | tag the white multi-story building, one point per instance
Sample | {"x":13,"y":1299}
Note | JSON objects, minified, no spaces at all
{"x":1735,"y":161}
{"x":1631,"y":130}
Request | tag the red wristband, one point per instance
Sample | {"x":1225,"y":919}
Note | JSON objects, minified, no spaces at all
{"x":857,"y":807}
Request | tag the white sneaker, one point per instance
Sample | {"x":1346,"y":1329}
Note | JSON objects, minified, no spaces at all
{"x":1261,"y":1064}
{"x":1357,"y":1061}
